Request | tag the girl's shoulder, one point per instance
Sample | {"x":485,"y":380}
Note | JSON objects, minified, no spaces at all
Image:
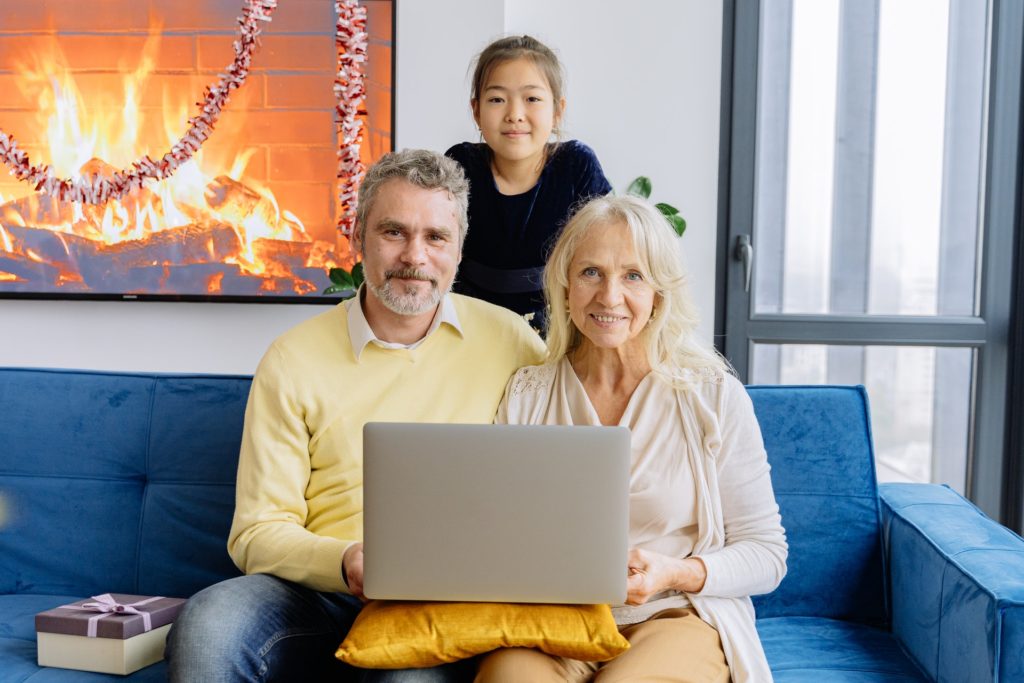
{"x":469,"y":154}
{"x":577,"y":161}
{"x":573,"y":152}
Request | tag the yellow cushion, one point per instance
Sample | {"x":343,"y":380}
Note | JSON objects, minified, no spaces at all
{"x":399,"y":635}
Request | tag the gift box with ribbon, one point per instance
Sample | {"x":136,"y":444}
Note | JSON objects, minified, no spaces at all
{"x":109,"y":633}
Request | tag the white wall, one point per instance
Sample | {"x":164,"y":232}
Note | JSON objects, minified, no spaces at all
{"x":644,"y":88}
{"x":643,"y":91}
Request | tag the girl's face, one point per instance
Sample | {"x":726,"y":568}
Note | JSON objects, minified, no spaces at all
{"x":516,"y":111}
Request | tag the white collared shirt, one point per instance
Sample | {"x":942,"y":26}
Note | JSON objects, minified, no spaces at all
{"x":360,"y":333}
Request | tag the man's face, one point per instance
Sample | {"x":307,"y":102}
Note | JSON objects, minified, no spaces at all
{"x":411,"y":248}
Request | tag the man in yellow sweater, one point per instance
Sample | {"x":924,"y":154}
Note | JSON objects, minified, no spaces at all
{"x":404,"y":349}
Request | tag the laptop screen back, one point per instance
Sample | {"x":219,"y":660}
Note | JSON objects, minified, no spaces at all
{"x":496,"y":513}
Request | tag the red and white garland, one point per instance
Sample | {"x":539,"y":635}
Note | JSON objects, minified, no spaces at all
{"x":99,"y":190}
{"x":350,"y":41}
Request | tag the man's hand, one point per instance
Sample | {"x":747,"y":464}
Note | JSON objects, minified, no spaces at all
{"x":352,"y":566}
{"x":651,"y":573}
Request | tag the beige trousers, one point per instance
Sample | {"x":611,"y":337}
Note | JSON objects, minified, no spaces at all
{"x":674,"y":645}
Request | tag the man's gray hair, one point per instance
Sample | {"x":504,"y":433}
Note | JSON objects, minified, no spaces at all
{"x":423,"y":168}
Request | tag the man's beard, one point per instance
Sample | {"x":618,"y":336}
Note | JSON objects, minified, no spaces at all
{"x":412,"y":303}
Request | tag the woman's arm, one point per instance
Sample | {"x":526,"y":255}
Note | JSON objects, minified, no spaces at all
{"x":753,"y":559}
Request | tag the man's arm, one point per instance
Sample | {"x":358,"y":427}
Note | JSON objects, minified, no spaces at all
{"x":268,"y":533}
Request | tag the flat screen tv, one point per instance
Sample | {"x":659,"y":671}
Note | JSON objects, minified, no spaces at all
{"x":256,"y":211}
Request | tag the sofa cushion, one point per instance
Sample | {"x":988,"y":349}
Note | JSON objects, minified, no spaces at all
{"x":818,"y":441}
{"x":18,"y":645}
{"x":71,"y":479}
{"x":391,"y":634}
{"x":811,"y":649}
{"x":116,"y":482}
{"x":69,"y":535}
{"x":195,"y":432}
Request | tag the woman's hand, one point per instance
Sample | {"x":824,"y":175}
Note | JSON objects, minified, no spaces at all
{"x":651,"y":573}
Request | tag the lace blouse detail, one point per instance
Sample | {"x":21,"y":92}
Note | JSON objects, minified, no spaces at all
{"x":533,"y":378}
{"x":695,"y":377}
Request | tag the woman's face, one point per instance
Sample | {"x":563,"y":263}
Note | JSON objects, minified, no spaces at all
{"x":610,"y":302}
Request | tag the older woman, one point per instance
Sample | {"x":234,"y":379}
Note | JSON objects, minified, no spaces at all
{"x":705,"y":531}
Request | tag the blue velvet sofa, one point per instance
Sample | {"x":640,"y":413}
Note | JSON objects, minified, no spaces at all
{"x":119,"y":482}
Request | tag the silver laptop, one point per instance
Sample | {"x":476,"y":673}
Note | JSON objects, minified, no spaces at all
{"x":495,"y":513}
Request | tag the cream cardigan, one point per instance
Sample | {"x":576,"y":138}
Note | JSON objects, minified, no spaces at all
{"x":716,"y":440}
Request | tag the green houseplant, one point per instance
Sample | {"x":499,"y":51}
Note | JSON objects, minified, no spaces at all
{"x":641,"y":187}
{"x":345,"y":282}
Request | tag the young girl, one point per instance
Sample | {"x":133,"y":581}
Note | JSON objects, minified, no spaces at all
{"x":522,"y":186}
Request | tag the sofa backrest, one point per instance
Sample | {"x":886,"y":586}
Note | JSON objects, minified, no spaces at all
{"x":121,"y":482}
{"x":818,"y":440}
{"x":116,"y":482}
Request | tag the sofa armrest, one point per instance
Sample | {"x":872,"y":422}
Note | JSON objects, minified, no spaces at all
{"x":956,"y":582}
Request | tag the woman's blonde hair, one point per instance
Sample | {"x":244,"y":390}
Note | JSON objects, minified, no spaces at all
{"x":670,"y":336}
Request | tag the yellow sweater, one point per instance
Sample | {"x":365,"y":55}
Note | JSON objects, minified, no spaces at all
{"x":299,"y":499}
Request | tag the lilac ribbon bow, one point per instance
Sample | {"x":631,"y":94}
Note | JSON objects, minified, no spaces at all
{"x":106,"y":605}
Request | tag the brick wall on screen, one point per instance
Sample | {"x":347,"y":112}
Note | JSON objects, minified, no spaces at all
{"x":284,"y":113}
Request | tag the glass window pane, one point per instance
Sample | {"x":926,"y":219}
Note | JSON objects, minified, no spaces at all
{"x":795,"y":155}
{"x":908,"y":157}
{"x":811,"y":155}
{"x":920,"y":400}
{"x":869,"y":156}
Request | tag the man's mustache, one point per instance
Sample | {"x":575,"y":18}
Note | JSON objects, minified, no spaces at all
{"x":409,"y":274}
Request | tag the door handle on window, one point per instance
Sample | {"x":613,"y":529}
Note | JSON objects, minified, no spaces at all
{"x":744,"y":252}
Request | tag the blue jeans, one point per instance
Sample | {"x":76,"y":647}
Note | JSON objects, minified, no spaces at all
{"x":261,"y":628}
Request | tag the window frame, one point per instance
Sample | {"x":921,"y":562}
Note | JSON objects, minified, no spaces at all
{"x":993,"y":469}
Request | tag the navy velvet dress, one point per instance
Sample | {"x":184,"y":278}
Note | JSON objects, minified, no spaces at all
{"x":510,"y":235}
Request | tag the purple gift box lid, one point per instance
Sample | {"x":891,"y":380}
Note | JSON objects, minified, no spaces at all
{"x":112,"y":615}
